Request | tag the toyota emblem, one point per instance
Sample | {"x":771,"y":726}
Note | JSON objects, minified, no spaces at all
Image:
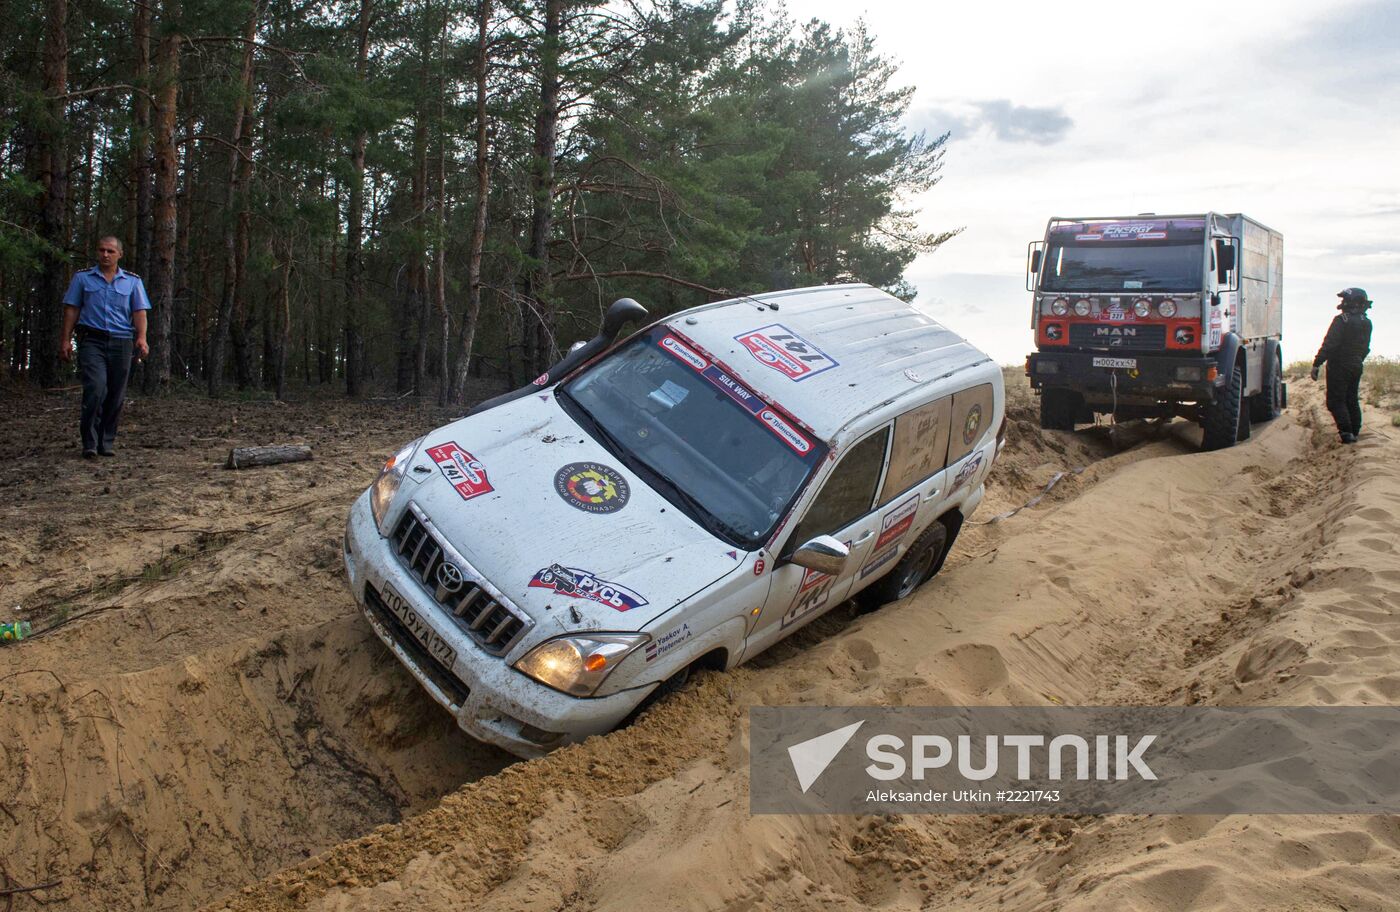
{"x":449,"y":578}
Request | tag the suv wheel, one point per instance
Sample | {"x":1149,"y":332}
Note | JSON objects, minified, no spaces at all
{"x":1222,"y":418}
{"x":916,"y":567}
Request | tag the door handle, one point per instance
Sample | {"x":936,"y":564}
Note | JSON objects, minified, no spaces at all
{"x":864,"y":538}
{"x":931,"y":495}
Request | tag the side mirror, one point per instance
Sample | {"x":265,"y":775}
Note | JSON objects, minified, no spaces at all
{"x":823,"y":554}
{"x":622,"y":312}
{"x":1037,"y":256}
{"x":1224,"y":260}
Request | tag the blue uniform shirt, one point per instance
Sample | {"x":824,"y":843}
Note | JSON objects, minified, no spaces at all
{"x":104,"y":305}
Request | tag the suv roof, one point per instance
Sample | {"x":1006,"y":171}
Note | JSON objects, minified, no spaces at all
{"x":845,"y":349}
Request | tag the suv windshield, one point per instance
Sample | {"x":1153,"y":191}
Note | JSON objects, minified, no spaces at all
{"x":704,"y":440}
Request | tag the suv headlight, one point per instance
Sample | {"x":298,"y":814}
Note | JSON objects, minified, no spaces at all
{"x":578,"y":664}
{"x":382,"y":492}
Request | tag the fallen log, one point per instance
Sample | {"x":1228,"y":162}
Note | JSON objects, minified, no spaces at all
{"x":247,"y":457}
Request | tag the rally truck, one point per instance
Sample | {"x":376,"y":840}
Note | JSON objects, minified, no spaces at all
{"x":1152,"y":316}
{"x":681,"y":499}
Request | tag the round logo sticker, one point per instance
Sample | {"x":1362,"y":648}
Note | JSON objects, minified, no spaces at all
{"x":972,"y":423}
{"x":592,"y":487}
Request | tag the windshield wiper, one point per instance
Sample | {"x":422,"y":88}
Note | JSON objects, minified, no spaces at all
{"x":697,"y":510}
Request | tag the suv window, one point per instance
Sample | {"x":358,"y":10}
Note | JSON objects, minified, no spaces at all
{"x":972,"y":418}
{"x":920,"y":445}
{"x":849,"y":492}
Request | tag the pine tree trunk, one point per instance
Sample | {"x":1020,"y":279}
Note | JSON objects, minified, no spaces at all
{"x":539,"y":327}
{"x":467,"y":338}
{"x":53,"y":177}
{"x":164,"y":227}
{"x":233,"y":221}
{"x":412,"y":352}
{"x":354,"y":229}
{"x":141,"y":138}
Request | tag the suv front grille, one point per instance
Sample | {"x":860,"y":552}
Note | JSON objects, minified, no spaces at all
{"x":464,"y":595}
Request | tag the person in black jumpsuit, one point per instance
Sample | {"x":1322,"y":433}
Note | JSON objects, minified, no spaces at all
{"x":1347,"y":344}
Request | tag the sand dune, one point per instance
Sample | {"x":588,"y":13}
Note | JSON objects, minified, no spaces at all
{"x":1265,"y":574}
{"x":231,"y":716}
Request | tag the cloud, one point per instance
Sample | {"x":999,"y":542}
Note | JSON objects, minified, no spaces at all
{"x":1008,"y":122}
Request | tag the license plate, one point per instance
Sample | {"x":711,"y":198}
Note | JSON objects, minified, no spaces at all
{"x":1115,"y":362}
{"x":437,"y":647}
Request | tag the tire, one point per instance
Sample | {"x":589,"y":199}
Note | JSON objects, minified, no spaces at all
{"x":1058,"y":408}
{"x":918,"y":565}
{"x":1222,"y":419}
{"x":1267,"y":404}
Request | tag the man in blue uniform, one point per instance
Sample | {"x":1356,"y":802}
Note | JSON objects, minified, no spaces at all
{"x":107,"y":306}
{"x":1344,"y":350}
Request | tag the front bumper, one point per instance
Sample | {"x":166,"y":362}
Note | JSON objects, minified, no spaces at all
{"x":1166,"y":377}
{"x":491,"y":701}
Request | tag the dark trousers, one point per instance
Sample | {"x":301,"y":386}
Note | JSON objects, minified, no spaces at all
{"x":1344,"y":396}
{"x":105,"y":365}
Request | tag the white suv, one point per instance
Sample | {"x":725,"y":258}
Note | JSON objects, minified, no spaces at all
{"x":685,"y":498}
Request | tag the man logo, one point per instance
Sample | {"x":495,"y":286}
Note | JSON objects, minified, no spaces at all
{"x":449,"y":580}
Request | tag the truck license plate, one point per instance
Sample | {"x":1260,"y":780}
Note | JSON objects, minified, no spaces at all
{"x":1116,"y":362}
{"x":437,"y":647}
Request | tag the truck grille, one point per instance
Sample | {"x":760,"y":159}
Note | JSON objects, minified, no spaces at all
{"x":1141,"y":336}
{"x":463,"y":593}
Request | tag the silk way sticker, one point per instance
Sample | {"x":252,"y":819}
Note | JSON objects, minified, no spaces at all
{"x":581,"y":584}
{"x":786,"y":352}
{"x":461,"y":469}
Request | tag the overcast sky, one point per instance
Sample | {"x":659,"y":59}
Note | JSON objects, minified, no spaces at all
{"x":1285,"y":111}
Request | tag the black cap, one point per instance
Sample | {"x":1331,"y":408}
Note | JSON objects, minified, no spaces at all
{"x":1353,"y":296}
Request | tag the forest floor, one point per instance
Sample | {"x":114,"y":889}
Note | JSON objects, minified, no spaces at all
{"x":203,"y":719}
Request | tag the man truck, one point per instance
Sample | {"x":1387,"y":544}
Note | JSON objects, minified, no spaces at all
{"x":1152,"y":316}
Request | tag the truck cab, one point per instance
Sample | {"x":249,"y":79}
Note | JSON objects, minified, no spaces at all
{"x":1152,"y":316}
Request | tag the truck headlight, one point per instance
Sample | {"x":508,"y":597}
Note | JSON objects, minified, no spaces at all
{"x":1142,"y":307}
{"x":1167,"y":308}
{"x":382,"y":492}
{"x":1081,"y":307}
{"x":579,"y":663}
{"x":1059,"y":307}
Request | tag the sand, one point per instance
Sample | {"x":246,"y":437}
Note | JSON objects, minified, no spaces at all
{"x":182,"y":774}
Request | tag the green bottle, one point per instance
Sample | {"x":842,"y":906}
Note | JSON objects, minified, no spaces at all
{"x":16,"y":631}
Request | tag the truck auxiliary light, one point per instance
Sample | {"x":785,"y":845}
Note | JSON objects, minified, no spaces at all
{"x":1081,"y":307}
{"x":1212,"y":373}
{"x":1167,"y":308}
{"x":1142,"y":307}
{"x":1059,"y":307}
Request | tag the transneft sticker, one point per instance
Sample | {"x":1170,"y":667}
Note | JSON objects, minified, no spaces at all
{"x":786,"y":352}
{"x":893,"y":527}
{"x":463,"y":470}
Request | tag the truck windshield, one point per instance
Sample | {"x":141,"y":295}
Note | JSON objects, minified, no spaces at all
{"x":702,"y":439}
{"x":1134,"y":266}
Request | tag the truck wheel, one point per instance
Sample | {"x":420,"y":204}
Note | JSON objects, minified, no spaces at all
{"x":1057,"y":409}
{"x":1222,"y":418}
{"x":1268,"y":402}
{"x":915,"y":568}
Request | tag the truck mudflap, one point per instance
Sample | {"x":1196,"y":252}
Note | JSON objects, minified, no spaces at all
{"x":1171,"y":378}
